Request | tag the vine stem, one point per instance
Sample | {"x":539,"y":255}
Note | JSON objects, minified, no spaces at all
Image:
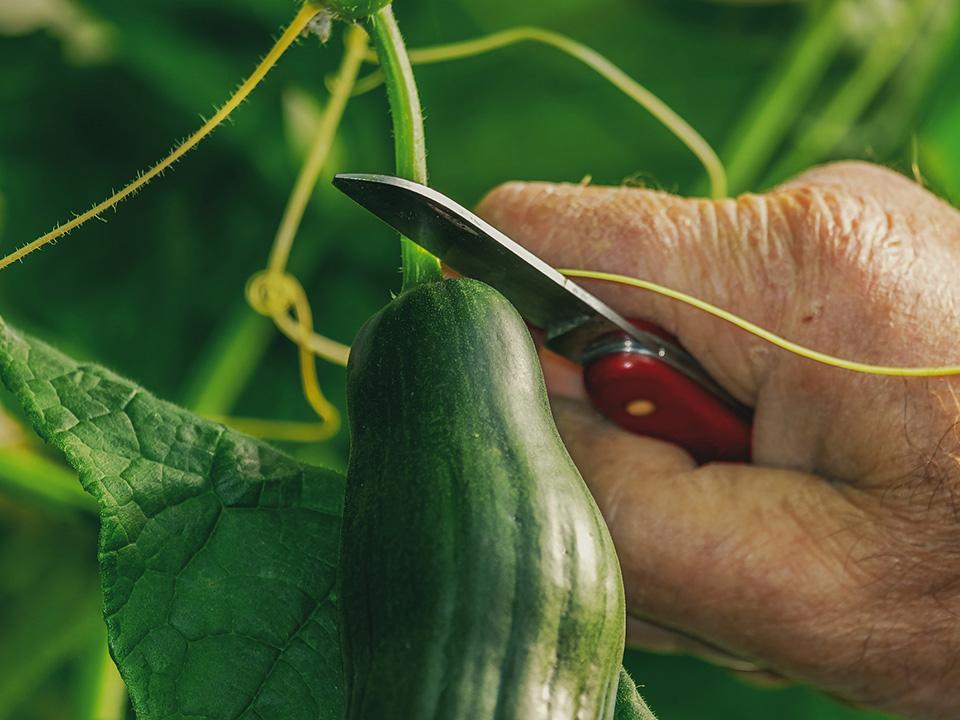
{"x":837,"y":119}
{"x":766,"y":335}
{"x":895,"y":117}
{"x":290,"y":35}
{"x":596,"y":62}
{"x":419,"y":266}
{"x":771,"y":115}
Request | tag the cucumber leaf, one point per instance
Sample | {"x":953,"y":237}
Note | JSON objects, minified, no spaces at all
{"x":218,"y":554}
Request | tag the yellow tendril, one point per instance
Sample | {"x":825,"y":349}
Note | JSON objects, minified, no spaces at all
{"x":282,"y":298}
{"x":296,"y":27}
{"x":792,"y":347}
{"x":279,"y":295}
{"x":592,"y":59}
{"x":340,"y":91}
{"x":301,"y":433}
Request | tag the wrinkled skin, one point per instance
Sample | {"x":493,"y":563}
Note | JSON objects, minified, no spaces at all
{"x":835,"y":558}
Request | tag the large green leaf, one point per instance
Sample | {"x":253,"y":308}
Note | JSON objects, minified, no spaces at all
{"x":218,"y":554}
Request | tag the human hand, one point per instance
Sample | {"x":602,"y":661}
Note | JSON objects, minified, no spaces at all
{"x":835,"y":557}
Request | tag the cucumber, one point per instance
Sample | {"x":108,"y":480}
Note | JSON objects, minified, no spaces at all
{"x":353,"y":10}
{"x":479,"y":578}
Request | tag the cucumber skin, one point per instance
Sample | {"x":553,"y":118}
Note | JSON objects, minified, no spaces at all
{"x":480,"y":581}
{"x":353,"y":10}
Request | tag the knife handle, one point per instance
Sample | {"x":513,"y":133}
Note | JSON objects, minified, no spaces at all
{"x":646,"y":396}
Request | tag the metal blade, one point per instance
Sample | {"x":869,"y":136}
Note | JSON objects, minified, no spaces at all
{"x":572,"y":318}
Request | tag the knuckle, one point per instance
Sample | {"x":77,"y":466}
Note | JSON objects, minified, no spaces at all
{"x":502,"y":199}
{"x":851,"y":174}
{"x":849,"y":240}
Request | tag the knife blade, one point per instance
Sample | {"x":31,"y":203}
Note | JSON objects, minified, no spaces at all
{"x":572,"y":318}
{"x":633,"y":372}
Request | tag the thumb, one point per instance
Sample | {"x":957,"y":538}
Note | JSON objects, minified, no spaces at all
{"x":734,"y":253}
{"x":766,"y":565}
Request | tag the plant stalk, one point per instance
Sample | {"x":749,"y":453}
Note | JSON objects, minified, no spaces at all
{"x":419,"y":266}
{"x":896,"y":117}
{"x":768,"y":120}
{"x":843,"y":110}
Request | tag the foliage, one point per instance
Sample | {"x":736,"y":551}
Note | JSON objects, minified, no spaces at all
{"x":218,"y":555}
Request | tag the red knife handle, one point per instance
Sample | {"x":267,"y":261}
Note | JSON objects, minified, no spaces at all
{"x":646,"y":396}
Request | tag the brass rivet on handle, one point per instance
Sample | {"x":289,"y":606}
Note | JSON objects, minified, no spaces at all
{"x":641,"y":408}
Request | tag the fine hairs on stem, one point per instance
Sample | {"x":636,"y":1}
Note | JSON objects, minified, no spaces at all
{"x":290,"y":35}
{"x":277,"y":294}
{"x":278,"y":288}
{"x":592,"y":59}
{"x":418,"y":265}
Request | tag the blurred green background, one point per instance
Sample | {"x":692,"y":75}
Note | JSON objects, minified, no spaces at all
{"x":91,"y":91}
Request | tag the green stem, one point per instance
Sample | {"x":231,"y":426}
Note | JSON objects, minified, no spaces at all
{"x":843,"y":110}
{"x":419,"y":266}
{"x":894,"y":119}
{"x":767,"y":121}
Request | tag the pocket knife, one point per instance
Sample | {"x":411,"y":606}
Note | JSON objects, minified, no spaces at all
{"x":635,"y":373}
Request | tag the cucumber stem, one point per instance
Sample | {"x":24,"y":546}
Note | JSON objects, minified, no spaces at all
{"x":419,"y":266}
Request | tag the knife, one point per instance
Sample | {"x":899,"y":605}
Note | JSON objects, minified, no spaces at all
{"x":635,"y":373}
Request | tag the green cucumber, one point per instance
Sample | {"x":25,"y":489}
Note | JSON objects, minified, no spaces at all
{"x":353,"y":10}
{"x":480,"y":581}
